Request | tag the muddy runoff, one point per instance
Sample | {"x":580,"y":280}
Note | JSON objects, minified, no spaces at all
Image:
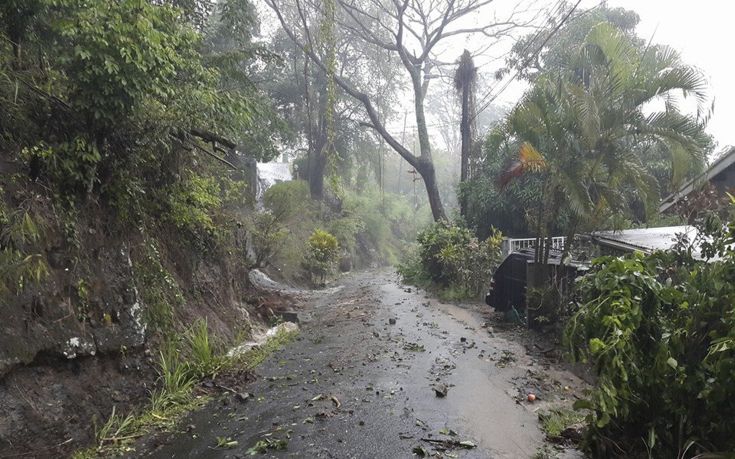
{"x":383,"y":370}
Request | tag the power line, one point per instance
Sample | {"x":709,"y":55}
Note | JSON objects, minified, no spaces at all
{"x":538,"y":50}
{"x":554,"y":11}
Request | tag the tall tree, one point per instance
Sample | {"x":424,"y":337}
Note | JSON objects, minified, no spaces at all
{"x":411,"y":30}
{"x":465,"y":79}
{"x":583,"y":127}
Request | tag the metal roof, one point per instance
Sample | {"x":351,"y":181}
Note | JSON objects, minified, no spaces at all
{"x":644,"y":239}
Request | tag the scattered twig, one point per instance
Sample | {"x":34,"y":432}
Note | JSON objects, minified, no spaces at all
{"x":451,"y":443}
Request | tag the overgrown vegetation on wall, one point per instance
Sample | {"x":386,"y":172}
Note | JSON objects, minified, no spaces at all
{"x":123,"y":203}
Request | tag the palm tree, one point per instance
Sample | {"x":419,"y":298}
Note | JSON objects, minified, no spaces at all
{"x":590,"y":119}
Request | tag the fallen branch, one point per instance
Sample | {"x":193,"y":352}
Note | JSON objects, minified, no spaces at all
{"x":117,"y":439}
{"x":451,"y":443}
{"x":212,"y":137}
{"x":207,"y":152}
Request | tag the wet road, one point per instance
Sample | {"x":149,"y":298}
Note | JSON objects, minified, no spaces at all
{"x":353,"y":384}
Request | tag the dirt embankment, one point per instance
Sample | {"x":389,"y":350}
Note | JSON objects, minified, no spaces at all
{"x":82,"y":340}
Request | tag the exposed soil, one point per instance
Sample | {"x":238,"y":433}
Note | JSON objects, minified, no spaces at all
{"x":49,"y":407}
{"x":382,"y":370}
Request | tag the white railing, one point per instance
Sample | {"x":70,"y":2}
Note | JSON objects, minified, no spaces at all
{"x":514,"y":245}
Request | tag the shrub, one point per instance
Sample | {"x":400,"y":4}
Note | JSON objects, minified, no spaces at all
{"x":158,"y":288}
{"x":267,"y":233}
{"x":322,"y":254}
{"x":287,"y":199}
{"x":452,"y":258}
{"x":21,"y":261}
{"x":207,"y":352}
{"x":659,"y":332}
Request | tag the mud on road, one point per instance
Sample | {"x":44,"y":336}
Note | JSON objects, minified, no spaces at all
{"x":366,"y":378}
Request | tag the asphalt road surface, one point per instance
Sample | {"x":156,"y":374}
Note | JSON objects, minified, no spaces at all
{"x":361,"y":381}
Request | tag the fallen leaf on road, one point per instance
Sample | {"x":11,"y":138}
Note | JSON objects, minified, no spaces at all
{"x":336,"y":401}
{"x":441,"y":390}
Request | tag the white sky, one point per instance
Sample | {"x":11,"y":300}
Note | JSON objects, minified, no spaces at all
{"x":701,"y":32}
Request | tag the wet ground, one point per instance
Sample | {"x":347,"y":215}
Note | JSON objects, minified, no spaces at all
{"x":363,"y":380}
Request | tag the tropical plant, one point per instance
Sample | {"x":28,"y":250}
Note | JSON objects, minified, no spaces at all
{"x":322,"y":254}
{"x":659,"y":333}
{"x":594,"y":118}
{"x":452,"y":258}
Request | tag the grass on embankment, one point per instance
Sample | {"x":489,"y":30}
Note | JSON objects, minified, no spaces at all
{"x":179,"y":375}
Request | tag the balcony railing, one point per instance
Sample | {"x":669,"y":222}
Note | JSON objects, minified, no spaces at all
{"x":514,"y":245}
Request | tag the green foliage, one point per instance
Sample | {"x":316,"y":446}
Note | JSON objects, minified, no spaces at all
{"x":554,"y":421}
{"x":116,"y":427}
{"x":322,"y":252}
{"x":371,"y":229}
{"x":289,"y":200}
{"x":268,"y":234}
{"x":122,"y":53}
{"x":174,"y":398}
{"x":159,"y":290}
{"x":191,"y":201}
{"x":588,"y":114}
{"x":267,"y":444}
{"x":659,"y":332}
{"x":21,"y":262}
{"x":412,"y":270}
{"x":454,"y":259}
{"x":175,"y":376}
{"x":206,"y":359}
{"x":71,"y":166}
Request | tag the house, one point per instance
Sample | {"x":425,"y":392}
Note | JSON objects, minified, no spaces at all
{"x":721,"y":175}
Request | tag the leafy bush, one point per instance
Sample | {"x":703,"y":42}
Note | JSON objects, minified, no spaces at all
{"x":70,"y":166}
{"x":659,"y":332}
{"x":322,"y":254}
{"x":453,"y":258}
{"x":159,"y":290}
{"x":21,"y":261}
{"x":207,"y":352}
{"x":267,"y":233}
{"x":287,"y":199}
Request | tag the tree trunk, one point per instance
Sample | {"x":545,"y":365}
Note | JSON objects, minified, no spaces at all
{"x":419,"y":163}
{"x":424,"y":165}
{"x":466,"y":134}
{"x":426,"y":169}
{"x":317,"y":164}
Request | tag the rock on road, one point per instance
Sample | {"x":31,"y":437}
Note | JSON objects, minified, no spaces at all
{"x":361,"y":381}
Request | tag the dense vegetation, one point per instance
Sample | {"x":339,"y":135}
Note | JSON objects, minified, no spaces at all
{"x":132,"y":123}
{"x":605,"y":138}
{"x":450,"y":258}
{"x":658,"y":331}
{"x":125,"y":111}
{"x":133,"y":127}
{"x":595,"y":143}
